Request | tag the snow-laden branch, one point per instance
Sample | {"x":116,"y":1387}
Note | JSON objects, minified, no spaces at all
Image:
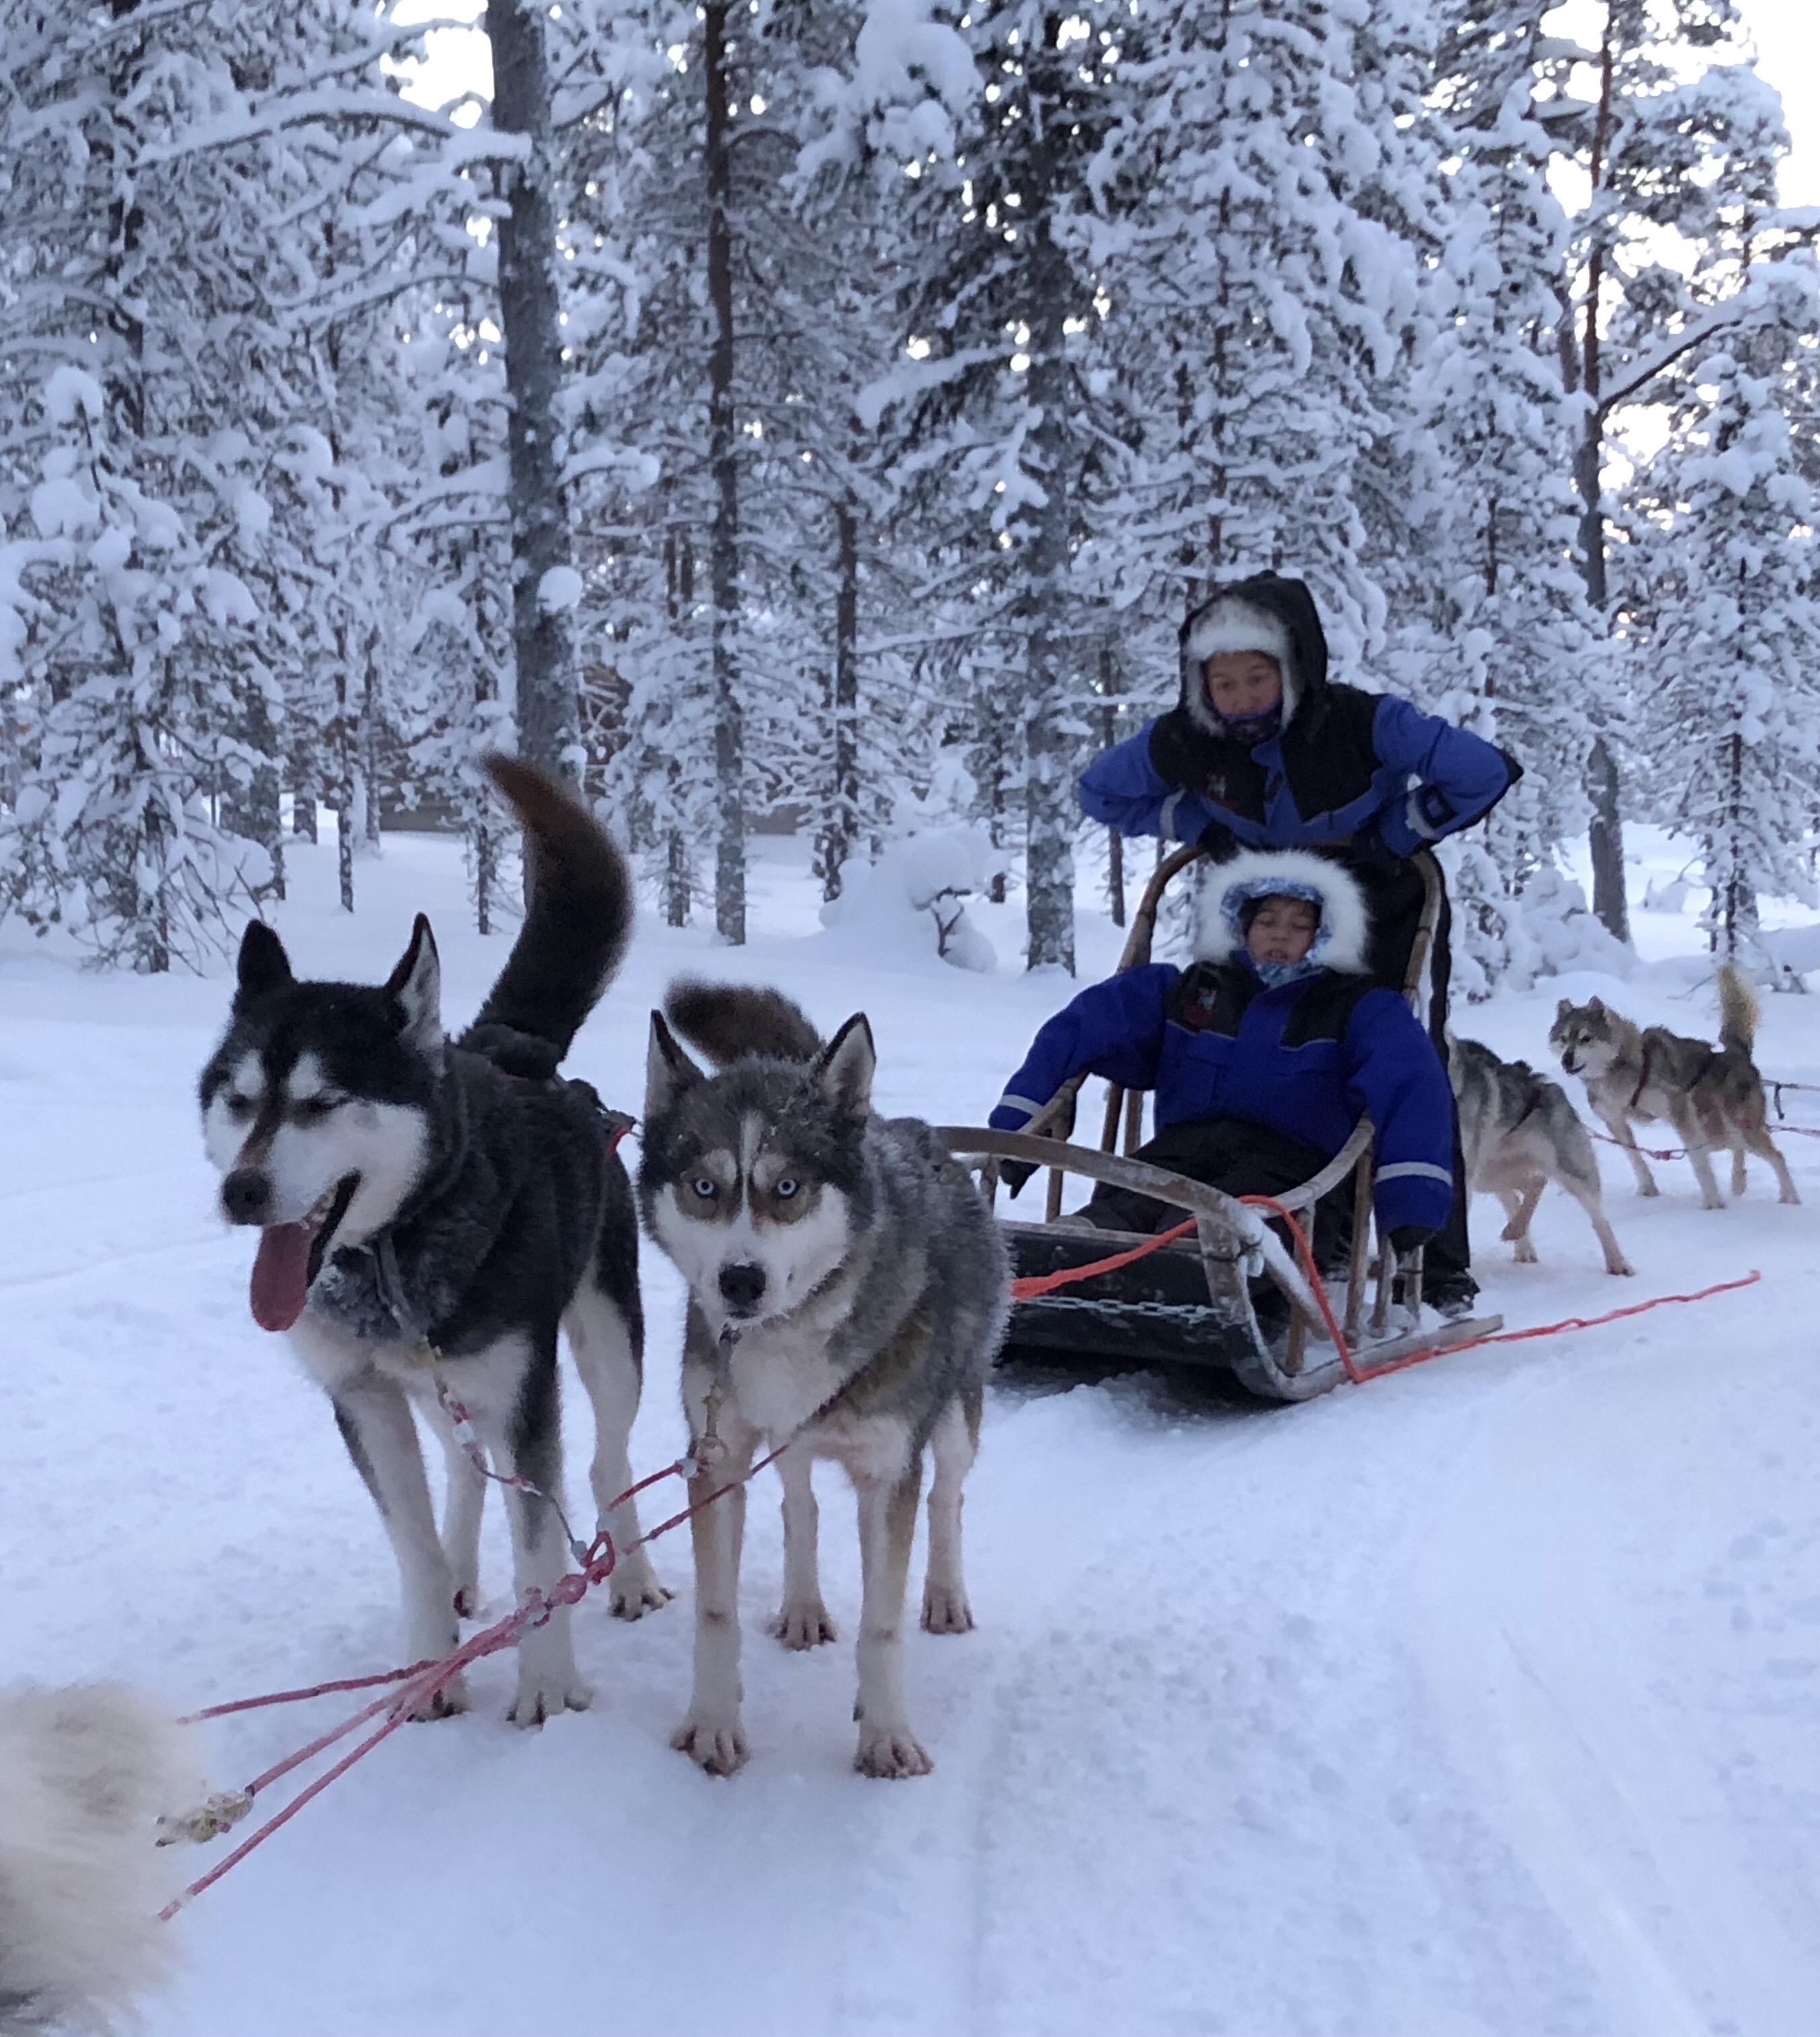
{"x":1774,"y":293}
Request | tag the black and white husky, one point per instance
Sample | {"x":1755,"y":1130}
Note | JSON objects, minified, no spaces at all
{"x":847,"y":1292}
{"x":410,"y":1191}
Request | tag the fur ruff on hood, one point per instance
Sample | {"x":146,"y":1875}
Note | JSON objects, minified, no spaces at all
{"x":1269,"y":613}
{"x":1341,"y":939}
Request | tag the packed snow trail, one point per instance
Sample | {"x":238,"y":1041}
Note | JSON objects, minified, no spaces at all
{"x":1483,"y":1701}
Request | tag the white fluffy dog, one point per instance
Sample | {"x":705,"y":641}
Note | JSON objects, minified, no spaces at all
{"x":84,"y":1774}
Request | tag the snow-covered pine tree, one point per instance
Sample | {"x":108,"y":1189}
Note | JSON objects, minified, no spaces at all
{"x":1655,"y":148}
{"x":139,"y":660}
{"x":1505,"y":427}
{"x":454,"y":677}
{"x":1004,"y":425}
{"x":1268,"y":293}
{"x":111,"y":833}
{"x":1732,"y":628}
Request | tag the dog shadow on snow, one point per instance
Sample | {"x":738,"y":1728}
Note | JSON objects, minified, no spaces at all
{"x":1159,"y":1397}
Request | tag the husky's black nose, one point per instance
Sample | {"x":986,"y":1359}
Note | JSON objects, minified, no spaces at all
{"x":742,"y":1287}
{"x":246,"y":1195}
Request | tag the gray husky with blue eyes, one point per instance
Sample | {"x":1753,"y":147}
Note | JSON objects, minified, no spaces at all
{"x":415,"y":1194}
{"x":849,"y":1292}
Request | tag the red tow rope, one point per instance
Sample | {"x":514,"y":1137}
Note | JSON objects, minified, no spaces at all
{"x":421,"y":1681}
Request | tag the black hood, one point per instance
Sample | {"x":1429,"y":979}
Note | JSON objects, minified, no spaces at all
{"x":1281,"y":615}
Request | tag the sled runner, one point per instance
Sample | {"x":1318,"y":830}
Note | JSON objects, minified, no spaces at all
{"x":1231,"y":1296}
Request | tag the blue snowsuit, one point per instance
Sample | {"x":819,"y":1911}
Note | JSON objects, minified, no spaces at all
{"x":1304,"y":1060}
{"x":1345,"y":767}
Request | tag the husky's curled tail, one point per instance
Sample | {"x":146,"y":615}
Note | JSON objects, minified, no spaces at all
{"x":1738,"y":1012}
{"x":576,"y":928}
{"x":83,"y":1773}
{"x":732,"y":1022}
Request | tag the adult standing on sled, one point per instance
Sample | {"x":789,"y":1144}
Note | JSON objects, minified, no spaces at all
{"x":1263,"y":751}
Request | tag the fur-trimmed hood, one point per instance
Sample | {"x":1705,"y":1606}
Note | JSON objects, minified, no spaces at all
{"x":1269,"y":613}
{"x":1341,"y":940}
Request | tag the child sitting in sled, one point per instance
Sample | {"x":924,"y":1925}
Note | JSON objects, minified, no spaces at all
{"x":1263,"y":1055}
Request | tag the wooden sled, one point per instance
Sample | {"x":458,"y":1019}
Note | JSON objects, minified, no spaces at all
{"x":1196,"y":1302}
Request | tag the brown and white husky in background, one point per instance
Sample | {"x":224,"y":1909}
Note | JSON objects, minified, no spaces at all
{"x":1713,"y":1097}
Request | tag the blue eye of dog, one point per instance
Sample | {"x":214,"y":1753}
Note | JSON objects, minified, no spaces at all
{"x":784,"y":1189}
{"x":706,"y":1189}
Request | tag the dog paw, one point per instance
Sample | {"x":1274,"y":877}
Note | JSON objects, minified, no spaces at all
{"x":718,"y":1747}
{"x":543,"y":1698}
{"x":890,"y":1753}
{"x":450,"y":1701}
{"x":946,"y":1610}
{"x":1525,"y":1253}
{"x":806,"y":1625}
{"x":635,"y":1591}
{"x":1789,"y":1196}
{"x":1650,"y":1190}
{"x":467,"y":1601}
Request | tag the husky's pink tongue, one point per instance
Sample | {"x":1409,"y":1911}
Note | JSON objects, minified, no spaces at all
{"x":281,"y":1283}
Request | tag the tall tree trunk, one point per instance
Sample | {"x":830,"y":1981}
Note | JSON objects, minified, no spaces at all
{"x":843,"y":818}
{"x":679,"y":597}
{"x":723,"y":457}
{"x":549,"y":713}
{"x":1605,"y":837}
{"x":1048,"y":753}
{"x":485,"y":840}
{"x":370,"y":752}
{"x":1115,"y":841}
{"x":304,"y":779}
{"x":253,"y":811}
{"x":341,"y":786}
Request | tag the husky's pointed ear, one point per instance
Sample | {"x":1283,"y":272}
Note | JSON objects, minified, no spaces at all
{"x":1595,"y":1007}
{"x":262,"y":965}
{"x":417,"y":983}
{"x":1565,"y":1006}
{"x":844,"y":1067}
{"x":668,"y":1070}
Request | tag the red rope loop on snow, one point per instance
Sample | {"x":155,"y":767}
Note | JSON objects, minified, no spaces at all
{"x":422,"y":1680}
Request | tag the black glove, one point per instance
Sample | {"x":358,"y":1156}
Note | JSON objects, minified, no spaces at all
{"x":1218,"y":843}
{"x":1014,"y":1173}
{"x":1371,"y":855}
{"x":1408,"y":1238}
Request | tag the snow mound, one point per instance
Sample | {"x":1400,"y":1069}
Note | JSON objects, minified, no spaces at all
{"x":911,"y":901}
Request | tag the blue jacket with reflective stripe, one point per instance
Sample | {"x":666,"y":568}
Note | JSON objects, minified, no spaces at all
{"x":1308,"y":1059}
{"x":1410,"y":777}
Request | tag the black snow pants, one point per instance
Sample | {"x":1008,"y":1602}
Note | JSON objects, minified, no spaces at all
{"x":1241,"y":1158}
{"x":1395,"y":896}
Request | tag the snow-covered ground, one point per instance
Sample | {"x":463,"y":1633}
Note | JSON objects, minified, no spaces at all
{"x":1483,"y":1699}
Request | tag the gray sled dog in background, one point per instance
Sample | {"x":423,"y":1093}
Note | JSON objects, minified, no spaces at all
{"x":409,"y":1190}
{"x":1712,"y":1097}
{"x":85,"y":1773}
{"x":848,"y":1291}
{"x":1517,"y":1133}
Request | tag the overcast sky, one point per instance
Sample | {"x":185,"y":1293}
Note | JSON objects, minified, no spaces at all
{"x":1787,"y":34}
